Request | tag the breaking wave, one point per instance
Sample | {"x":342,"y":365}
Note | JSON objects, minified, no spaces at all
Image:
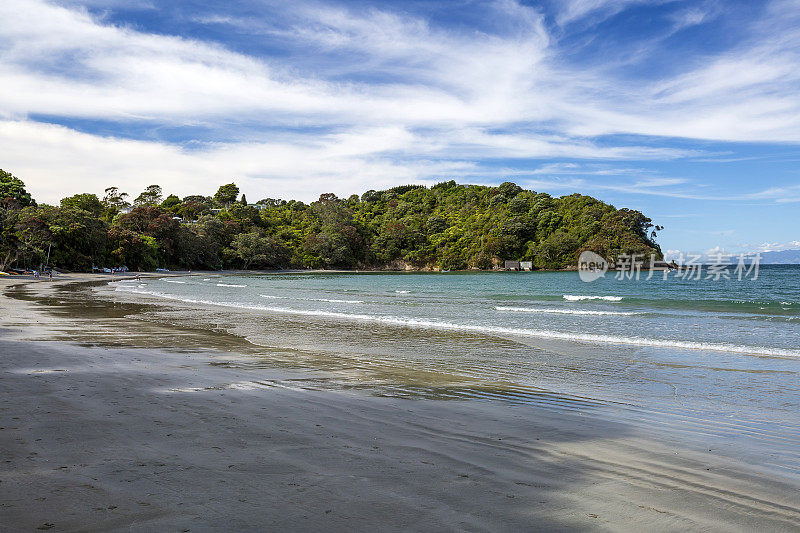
{"x":495,"y":330}
{"x":578,"y":298}
{"x":562,"y":311}
{"x":329,"y":300}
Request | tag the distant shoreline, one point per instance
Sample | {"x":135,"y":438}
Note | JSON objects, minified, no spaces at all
{"x":102,"y":275}
{"x":118,"y":275}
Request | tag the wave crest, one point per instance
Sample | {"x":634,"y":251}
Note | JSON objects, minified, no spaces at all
{"x":563,"y":311}
{"x":496,"y":330}
{"x":580,"y":297}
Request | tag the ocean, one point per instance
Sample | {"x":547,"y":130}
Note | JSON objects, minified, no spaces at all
{"x":712,"y":361}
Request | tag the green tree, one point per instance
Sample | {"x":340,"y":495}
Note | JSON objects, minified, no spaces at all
{"x":171,"y":203}
{"x":9,"y":240}
{"x":226,"y":195}
{"x":335,"y":247}
{"x":150,"y":196}
{"x":559,"y":250}
{"x":215,"y":236}
{"x":449,"y":225}
{"x":13,"y":187}
{"x":134,"y":250}
{"x":76,"y":237}
{"x":193,"y":207}
{"x":87,"y":202}
{"x":114,"y":199}
{"x":259,"y":250}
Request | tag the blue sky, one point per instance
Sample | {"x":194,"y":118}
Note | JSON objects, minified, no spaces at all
{"x":686,"y":110}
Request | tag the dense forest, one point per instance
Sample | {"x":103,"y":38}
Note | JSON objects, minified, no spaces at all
{"x":447,"y":226}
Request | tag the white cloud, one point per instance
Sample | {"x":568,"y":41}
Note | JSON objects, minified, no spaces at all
{"x":775,"y":246}
{"x":787,"y":194}
{"x":590,"y":169}
{"x":123,"y":74}
{"x":289,"y":166}
{"x":575,"y":10}
{"x":444,"y":99}
{"x":49,"y":156}
{"x":695,"y":14}
{"x":434,"y":77}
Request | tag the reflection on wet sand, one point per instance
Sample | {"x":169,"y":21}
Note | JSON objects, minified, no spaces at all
{"x":398,"y":362}
{"x":135,"y":432}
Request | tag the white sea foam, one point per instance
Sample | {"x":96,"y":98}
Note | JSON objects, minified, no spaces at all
{"x":230,"y":285}
{"x":172,"y":281}
{"x":334,"y":301}
{"x":206,"y":279}
{"x":562,"y":311}
{"x":329,"y":300}
{"x":497,"y":330}
{"x":403,"y":292}
{"x":140,"y":290}
{"x":578,"y":298}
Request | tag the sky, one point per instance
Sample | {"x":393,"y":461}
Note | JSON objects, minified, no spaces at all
{"x":688,"y":110}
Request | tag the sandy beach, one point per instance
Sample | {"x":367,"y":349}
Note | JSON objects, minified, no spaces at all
{"x":130,"y":425}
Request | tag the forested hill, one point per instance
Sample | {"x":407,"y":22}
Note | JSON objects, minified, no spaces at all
{"x":449,"y":226}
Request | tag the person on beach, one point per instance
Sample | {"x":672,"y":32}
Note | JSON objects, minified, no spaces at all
{"x":50,"y":275}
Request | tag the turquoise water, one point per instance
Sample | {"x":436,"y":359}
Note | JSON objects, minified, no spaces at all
{"x":718,"y":359}
{"x":760,"y":317}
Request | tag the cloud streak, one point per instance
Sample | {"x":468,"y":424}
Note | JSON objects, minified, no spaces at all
{"x":365,"y":98}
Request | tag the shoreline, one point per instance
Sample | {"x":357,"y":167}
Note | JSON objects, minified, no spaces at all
{"x":120,"y":275}
{"x":126,"y":434}
{"x":315,"y":270}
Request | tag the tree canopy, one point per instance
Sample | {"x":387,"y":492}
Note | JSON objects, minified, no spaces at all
{"x":446,"y":226}
{"x":115,"y":199}
{"x":11,"y":187}
{"x":150,"y":196}
{"x":87,"y":202}
{"x":226,"y":194}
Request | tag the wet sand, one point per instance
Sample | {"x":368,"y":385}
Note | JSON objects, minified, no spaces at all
{"x":141,"y":435}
